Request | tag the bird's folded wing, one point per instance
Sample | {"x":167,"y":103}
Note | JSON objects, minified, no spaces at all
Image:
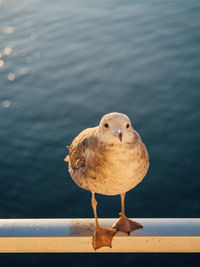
{"x":81,"y":145}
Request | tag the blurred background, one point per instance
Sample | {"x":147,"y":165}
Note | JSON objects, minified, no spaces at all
{"x":64,"y":64}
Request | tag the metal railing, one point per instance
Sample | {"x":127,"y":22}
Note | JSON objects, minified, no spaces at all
{"x":75,"y":235}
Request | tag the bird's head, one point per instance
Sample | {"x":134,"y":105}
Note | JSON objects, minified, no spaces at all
{"x":115,"y":128}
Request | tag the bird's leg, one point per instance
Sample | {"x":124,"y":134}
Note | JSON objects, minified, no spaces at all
{"x":102,"y":236}
{"x":122,"y":214}
{"x":123,"y":224}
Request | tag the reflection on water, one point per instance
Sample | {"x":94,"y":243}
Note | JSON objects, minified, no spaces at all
{"x":11,"y":76}
{"x":6,"y":103}
{"x":7,"y":51}
{"x":1,"y":63}
{"x":8,"y":29}
{"x":62,"y":66}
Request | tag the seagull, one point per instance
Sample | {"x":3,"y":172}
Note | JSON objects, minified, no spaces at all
{"x":109,"y":159}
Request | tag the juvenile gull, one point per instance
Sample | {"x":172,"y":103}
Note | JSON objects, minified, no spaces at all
{"x":109,"y":159}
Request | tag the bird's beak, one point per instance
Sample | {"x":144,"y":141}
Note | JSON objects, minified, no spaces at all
{"x":120,"y":135}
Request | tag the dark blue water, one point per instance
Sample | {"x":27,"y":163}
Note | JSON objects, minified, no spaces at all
{"x":66,"y":63}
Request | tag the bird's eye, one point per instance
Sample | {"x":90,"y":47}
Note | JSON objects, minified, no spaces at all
{"x":106,"y":125}
{"x":127,"y":126}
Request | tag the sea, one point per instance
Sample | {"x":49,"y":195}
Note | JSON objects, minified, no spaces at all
{"x":63,"y":65}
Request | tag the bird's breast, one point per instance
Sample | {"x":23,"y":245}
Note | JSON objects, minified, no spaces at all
{"x":115,"y":169}
{"x":124,"y":161}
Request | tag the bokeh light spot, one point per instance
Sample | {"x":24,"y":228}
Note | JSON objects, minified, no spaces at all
{"x":11,"y":76}
{"x":8,"y":29}
{"x":7,"y":50}
{"x":6,"y":103}
{"x":1,"y":63}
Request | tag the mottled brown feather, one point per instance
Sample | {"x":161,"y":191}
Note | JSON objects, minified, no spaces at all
{"x":85,"y":140}
{"x":92,"y":165}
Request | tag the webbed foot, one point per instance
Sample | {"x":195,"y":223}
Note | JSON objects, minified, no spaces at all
{"x":126,"y":225}
{"x":103,"y":237}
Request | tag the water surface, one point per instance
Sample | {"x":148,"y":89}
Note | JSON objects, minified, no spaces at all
{"x":66,"y":63}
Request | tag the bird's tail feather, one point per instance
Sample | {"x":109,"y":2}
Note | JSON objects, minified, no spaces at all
{"x":66,"y":158}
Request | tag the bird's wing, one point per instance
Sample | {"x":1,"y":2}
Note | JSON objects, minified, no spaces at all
{"x":81,"y":148}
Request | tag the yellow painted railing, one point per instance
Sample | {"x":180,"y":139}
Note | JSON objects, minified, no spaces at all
{"x":75,"y":235}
